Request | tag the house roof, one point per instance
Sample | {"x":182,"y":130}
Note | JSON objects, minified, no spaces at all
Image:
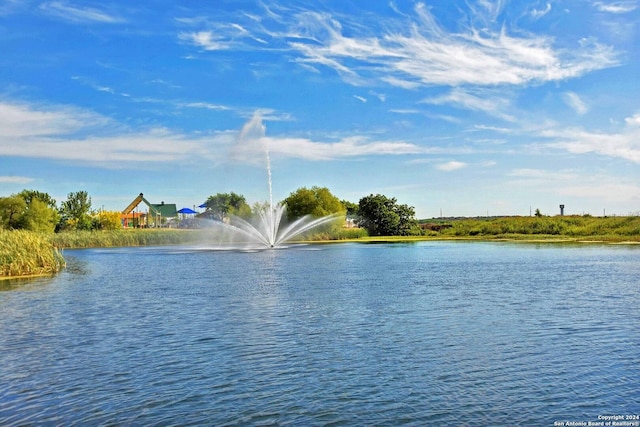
{"x":166,"y":209}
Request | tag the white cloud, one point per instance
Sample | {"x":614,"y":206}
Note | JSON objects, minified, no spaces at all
{"x":346,"y":147}
{"x":478,"y":101}
{"x":451,"y":166}
{"x":21,"y":120}
{"x":427,"y":54}
{"x":416,"y":51}
{"x":624,"y":145}
{"x":77,"y":14}
{"x":360,"y":98}
{"x":72,"y":135}
{"x":205,"y":105}
{"x":633,"y":120}
{"x":15,"y":180}
{"x":252,"y":141}
{"x":574,"y":101}
{"x":616,"y":6}
{"x":381,"y":96}
{"x":539,"y":13}
{"x":206,"y":40}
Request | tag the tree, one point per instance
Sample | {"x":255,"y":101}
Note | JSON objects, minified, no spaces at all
{"x":222,"y":205}
{"x":29,"y":195}
{"x":316,"y":201}
{"x":350,"y":207}
{"x":39,"y":217}
{"x":41,"y":212}
{"x":12,"y":210}
{"x":74,"y":212}
{"x":382,"y":216}
{"x":107,"y":220}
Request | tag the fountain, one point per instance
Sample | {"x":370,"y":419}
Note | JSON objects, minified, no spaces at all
{"x":266,"y":229}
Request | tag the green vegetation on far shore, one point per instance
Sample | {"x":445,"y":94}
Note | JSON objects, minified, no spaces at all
{"x":122,"y":237}
{"x":611,"y":229}
{"x":27,"y":253}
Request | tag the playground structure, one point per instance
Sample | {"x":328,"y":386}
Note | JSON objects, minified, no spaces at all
{"x":157,"y":215}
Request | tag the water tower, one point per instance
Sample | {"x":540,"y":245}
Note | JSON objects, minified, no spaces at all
{"x":561,"y":210}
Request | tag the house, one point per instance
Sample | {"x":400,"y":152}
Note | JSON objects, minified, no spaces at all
{"x":157,"y":215}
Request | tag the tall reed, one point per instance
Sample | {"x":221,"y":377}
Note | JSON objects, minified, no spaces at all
{"x":125,"y":237}
{"x":27,"y":253}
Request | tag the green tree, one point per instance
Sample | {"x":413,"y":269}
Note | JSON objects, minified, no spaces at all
{"x":316,"y":201}
{"x":350,"y":207}
{"x":382,"y":216}
{"x":74,"y":212}
{"x":40,"y":217}
{"x":12,"y":211}
{"x":222,"y":205}
{"x":41,"y":212}
{"x":29,"y":195}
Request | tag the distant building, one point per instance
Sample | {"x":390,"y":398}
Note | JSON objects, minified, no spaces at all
{"x":157,"y":216}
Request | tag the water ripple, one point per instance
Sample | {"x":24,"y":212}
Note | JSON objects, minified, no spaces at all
{"x":471,"y":334}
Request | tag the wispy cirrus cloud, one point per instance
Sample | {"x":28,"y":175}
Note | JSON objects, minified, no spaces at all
{"x":206,"y":40}
{"x":574,"y":101}
{"x":484,"y":101}
{"x":79,"y":14}
{"x":416,"y":50}
{"x":539,"y":13}
{"x":616,"y":6}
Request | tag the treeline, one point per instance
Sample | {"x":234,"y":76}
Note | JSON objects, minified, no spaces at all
{"x":37,"y":211}
{"x":376,"y":214}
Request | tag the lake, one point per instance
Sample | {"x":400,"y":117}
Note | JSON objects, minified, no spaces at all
{"x":429,"y":333}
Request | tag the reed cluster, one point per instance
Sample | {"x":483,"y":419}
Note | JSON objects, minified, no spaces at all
{"x":123,"y":237}
{"x":27,"y":253}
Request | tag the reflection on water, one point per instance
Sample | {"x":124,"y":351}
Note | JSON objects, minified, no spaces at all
{"x":426,"y":333}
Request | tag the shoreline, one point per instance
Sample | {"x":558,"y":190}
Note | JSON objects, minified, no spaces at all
{"x":520,"y":238}
{"x":516,"y":239}
{"x":28,"y":276}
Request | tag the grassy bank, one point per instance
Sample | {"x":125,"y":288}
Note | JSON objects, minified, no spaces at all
{"x":613,"y":229}
{"x":539,"y":229}
{"x":25,"y":253}
{"x":124,"y":237}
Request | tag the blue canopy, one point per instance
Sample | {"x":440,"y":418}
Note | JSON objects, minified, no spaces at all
{"x":204,"y":205}
{"x":187,"y":211}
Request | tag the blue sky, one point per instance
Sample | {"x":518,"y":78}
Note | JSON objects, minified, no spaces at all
{"x":457,"y":107}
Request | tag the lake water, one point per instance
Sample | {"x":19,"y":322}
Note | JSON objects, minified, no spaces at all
{"x":431,"y":333}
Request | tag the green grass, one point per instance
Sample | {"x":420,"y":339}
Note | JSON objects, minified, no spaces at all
{"x":26,"y":253}
{"x":545,"y":228}
{"x":124,"y":237}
